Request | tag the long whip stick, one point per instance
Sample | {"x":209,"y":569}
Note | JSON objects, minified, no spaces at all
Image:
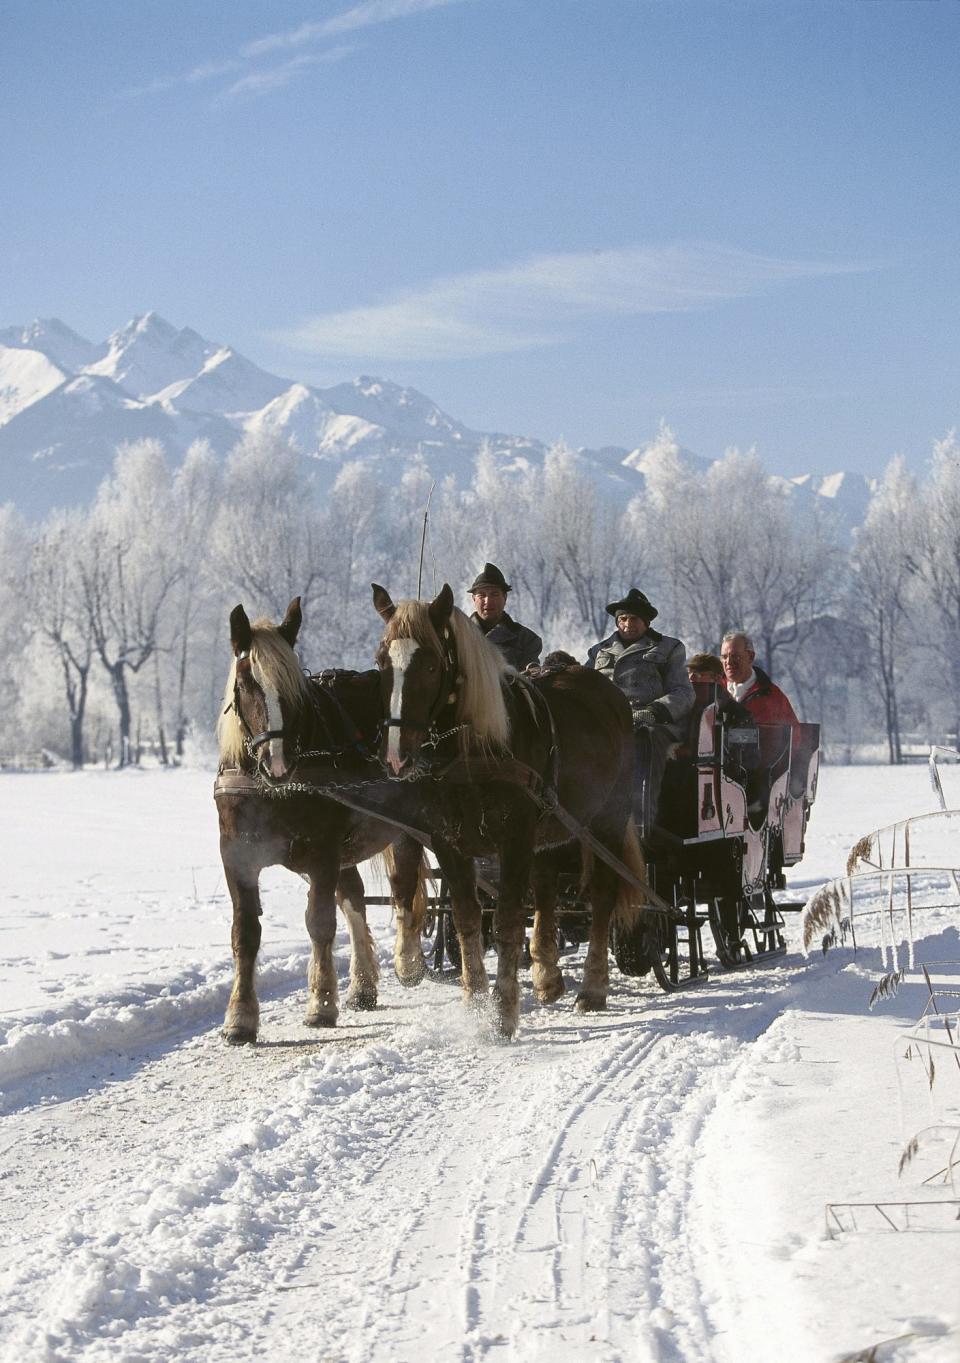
{"x":423,"y":538}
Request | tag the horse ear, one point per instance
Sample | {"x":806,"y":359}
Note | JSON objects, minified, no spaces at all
{"x":240,"y":633}
{"x":381,"y":599}
{"x":289,"y":626}
{"x":441,"y":606}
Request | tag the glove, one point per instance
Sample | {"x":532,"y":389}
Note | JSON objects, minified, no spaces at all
{"x":646,"y":716}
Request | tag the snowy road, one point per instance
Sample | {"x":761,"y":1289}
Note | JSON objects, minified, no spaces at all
{"x":647,"y":1184}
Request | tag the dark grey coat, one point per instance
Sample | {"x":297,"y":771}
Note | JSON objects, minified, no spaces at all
{"x":652,"y":671}
{"x":519,"y":645}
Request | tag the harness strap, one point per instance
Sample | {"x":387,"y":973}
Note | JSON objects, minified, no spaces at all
{"x":510,"y":770}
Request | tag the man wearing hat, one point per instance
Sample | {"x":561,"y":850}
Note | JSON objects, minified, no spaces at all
{"x":650,"y":668}
{"x":519,"y":645}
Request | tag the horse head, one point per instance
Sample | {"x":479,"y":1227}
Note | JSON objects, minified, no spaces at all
{"x":419,"y":668}
{"x":263,"y":691}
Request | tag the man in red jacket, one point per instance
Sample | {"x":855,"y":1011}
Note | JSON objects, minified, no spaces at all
{"x":750,"y":685}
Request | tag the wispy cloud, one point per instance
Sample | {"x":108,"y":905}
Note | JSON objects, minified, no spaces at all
{"x":271,"y":78}
{"x":544,"y":300}
{"x":360,"y":16}
{"x":265,"y":79}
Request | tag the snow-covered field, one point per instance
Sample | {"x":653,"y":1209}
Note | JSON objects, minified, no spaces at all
{"x":649,"y":1183}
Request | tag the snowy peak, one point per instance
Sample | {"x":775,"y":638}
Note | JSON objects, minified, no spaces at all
{"x":148,"y":355}
{"x":226,"y":383}
{"x":405,"y":411}
{"x":303,"y":416}
{"x":26,"y":376}
{"x":56,"y":341}
{"x":847,"y":493}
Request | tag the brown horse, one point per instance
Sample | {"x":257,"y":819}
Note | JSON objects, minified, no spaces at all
{"x":272,"y":714}
{"x":448,"y":694}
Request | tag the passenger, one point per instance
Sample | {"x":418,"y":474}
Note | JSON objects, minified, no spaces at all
{"x":750,"y":685}
{"x":650,"y":668}
{"x":705,"y":667}
{"x":519,"y":645}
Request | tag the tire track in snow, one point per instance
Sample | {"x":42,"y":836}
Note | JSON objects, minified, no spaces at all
{"x":397,"y":1189}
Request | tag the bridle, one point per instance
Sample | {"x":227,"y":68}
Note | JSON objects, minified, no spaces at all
{"x":355,"y":742}
{"x":447,"y":694}
{"x":252,"y":741}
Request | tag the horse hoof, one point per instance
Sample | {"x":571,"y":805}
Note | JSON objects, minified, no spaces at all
{"x":411,"y":978}
{"x":363,"y":1001}
{"x":589,"y":1003}
{"x":239,"y":1036}
{"x":549,"y":993}
{"x":320,"y":1020}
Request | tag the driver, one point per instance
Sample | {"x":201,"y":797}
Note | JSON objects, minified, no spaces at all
{"x":519,"y":645}
{"x":650,"y":668}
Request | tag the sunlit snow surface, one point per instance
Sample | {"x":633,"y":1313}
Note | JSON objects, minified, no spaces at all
{"x":645,"y":1184}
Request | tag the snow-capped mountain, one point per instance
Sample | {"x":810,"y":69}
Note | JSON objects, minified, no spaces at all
{"x":56,"y":341}
{"x":26,"y":376}
{"x":66,"y":403}
{"x":847,"y":493}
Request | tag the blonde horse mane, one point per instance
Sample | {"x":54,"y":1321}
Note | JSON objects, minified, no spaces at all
{"x":275,"y":666}
{"x":480,"y":704}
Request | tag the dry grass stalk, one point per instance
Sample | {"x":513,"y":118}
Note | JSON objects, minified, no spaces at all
{"x":887,"y":988}
{"x":822,"y":916}
{"x":860,"y":851}
{"x":910,"y":1149}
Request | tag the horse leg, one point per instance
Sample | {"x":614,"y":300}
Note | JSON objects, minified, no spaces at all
{"x":544,"y":952}
{"x":364,"y":966}
{"x":461,"y":877}
{"x":242,"y":873}
{"x":405,"y":865}
{"x":604,"y":884}
{"x":516,"y":856}
{"x":321,"y":919}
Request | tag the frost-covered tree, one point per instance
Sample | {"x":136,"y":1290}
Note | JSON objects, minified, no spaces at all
{"x":128,"y":570}
{"x":54,"y":593}
{"x":583,"y":529}
{"x":14,"y":618}
{"x":882,"y":583}
{"x":935,"y":559}
{"x":197,"y":492}
{"x":268,"y":539}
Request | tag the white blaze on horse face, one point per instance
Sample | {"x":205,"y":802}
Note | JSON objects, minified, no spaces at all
{"x":277,"y":766}
{"x":401,"y":651}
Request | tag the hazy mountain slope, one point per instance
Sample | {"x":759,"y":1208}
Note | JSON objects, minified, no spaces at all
{"x":66,"y":403}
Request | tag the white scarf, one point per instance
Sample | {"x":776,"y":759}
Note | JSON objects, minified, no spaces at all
{"x":739,"y":689}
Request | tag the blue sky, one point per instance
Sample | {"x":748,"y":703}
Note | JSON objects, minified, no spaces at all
{"x":559,"y":217}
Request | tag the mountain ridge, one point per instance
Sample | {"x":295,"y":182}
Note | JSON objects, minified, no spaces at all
{"x":67,"y":402}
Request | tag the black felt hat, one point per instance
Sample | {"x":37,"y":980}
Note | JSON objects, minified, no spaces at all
{"x":634,"y":603}
{"x":491,"y":576}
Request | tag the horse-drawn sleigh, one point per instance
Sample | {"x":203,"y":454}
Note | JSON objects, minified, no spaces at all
{"x":444,"y":747}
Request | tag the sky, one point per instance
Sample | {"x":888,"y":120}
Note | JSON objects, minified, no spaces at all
{"x":563,"y":218}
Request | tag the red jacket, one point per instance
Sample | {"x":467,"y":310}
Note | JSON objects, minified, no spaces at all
{"x":768,"y":704}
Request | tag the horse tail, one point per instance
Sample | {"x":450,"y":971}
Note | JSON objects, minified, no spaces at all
{"x":421,"y":897}
{"x":629,"y":904}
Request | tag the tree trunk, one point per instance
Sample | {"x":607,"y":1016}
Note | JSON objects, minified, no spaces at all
{"x":161,"y":730}
{"x":121,"y":694}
